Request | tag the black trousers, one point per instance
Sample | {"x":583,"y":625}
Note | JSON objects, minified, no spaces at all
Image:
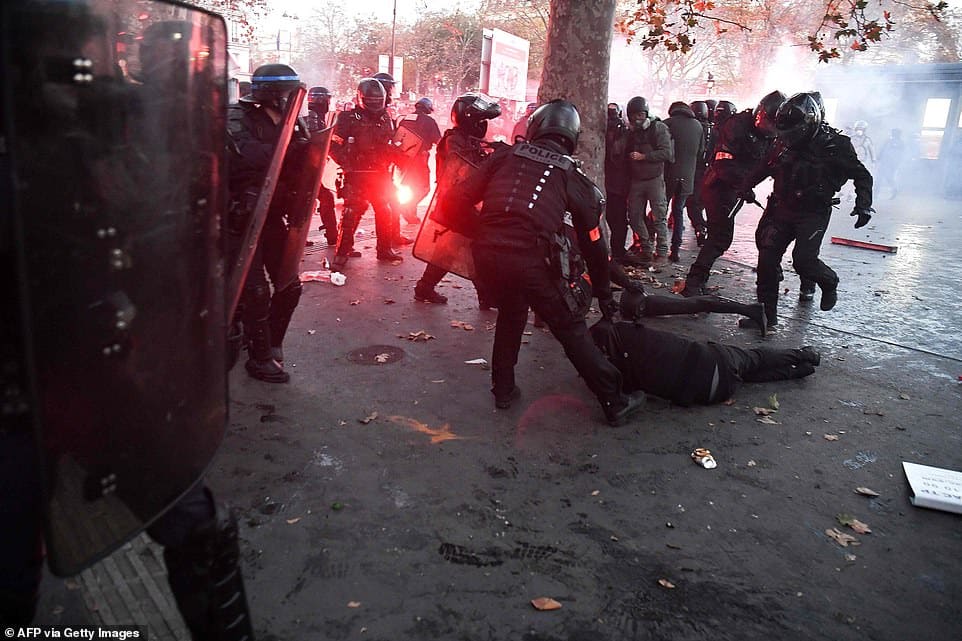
{"x":616,"y":213}
{"x":756,"y":365}
{"x":777,"y":229}
{"x":517,"y":280}
{"x":719,"y":199}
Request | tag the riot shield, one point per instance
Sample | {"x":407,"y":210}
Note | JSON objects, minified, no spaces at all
{"x":114,"y":116}
{"x":294,"y":201}
{"x":255,"y":224}
{"x":407,"y":141}
{"x":444,"y":239}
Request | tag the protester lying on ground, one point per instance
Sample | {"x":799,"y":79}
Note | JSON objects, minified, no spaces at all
{"x":689,"y":372}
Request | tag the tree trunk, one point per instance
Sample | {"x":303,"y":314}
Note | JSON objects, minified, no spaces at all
{"x":576,"y":61}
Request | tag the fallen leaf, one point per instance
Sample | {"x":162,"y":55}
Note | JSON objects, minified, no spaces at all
{"x":353,"y":604}
{"x":752,"y":464}
{"x":831,"y":437}
{"x":864,"y":491}
{"x":842,"y":538}
{"x":293,"y":521}
{"x":527,"y":333}
{"x":665,"y":583}
{"x":854,"y":523}
{"x":389,"y":301}
{"x":355,"y":302}
{"x":419,"y":336}
{"x":311,"y":332}
{"x":382,"y":358}
{"x":767,"y":420}
{"x":904,"y":396}
{"x":614,"y":538}
{"x":477,"y":361}
{"x":440,"y":380}
{"x":596,"y":493}
{"x":545,"y":603}
{"x":468,"y":327}
{"x":873,"y":412}
{"x":773,"y":401}
{"x":762,"y":411}
{"x":367,"y":419}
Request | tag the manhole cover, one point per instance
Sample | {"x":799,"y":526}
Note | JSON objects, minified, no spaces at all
{"x":376,"y":355}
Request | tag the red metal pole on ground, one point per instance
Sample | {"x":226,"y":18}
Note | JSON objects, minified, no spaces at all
{"x":889,"y":249}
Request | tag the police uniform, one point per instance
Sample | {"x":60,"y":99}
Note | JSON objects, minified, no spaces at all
{"x":416,"y":173}
{"x":739,"y":149}
{"x":525,"y":191}
{"x":806,"y":179}
{"x":361,"y":145}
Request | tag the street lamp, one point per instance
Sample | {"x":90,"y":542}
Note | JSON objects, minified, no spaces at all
{"x":710,"y":83}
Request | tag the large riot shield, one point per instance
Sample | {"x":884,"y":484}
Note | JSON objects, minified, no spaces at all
{"x":294,"y":202}
{"x":114,"y":118}
{"x":241,"y":263}
{"x":444,"y":239}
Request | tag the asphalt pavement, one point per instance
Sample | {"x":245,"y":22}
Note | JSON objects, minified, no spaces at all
{"x":383,"y":497}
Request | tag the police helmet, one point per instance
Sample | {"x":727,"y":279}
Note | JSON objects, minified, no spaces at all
{"x":712,"y":103}
{"x":471,"y":112}
{"x":272,"y":83}
{"x":557,"y":119}
{"x":724,"y":110}
{"x":765,"y":113}
{"x":700,"y":109}
{"x":798,"y":119}
{"x":817,"y":97}
{"x":371,"y":96}
{"x":386,"y":79}
{"x":319,"y":96}
{"x":424,"y":106}
{"x":678,"y":106}
{"x":636,"y":105}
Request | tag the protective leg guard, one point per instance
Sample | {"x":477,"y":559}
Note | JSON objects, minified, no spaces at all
{"x":283,"y":304}
{"x":205,"y":578}
{"x":350,"y":219}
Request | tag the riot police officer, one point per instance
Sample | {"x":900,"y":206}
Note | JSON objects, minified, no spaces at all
{"x":415,"y":173}
{"x":470,"y":114}
{"x":809,"y":163}
{"x":253,"y":124}
{"x":743,"y":140}
{"x":522,"y":253}
{"x":318,"y":106}
{"x":694,"y":205}
{"x":361,"y":145}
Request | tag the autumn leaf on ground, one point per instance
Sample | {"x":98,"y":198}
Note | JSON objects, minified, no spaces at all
{"x":864,"y":491}
{"x":355,"y":302}
{"x":389,"y":301}
{"x":842,"y":538}
{"x":729,"y":402}
{"x":763,"y":411}
{"x":293,"y":521}
{"x":767,"y":420}
{"x":382,"y":358}
{"x":773,"y":401}
{"x":353,"y":604}
{"x":462,"y":325}
{"x":367,"y":419}
{"x":545,"y":603}
{"x":419,"y":336}
{"x":665,"y":583}
{"x":831,"y":437}
{"x":854,"y":523}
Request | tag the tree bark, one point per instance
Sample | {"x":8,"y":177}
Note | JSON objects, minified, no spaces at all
{"x":576,"y":61}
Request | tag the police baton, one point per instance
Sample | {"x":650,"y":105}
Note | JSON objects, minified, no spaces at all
{"x":741,"y":203}
{"x":252,"y":234}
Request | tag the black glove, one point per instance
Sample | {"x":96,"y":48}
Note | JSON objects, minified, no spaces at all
{"x":863,"y":217}
{"x":608,"y":307}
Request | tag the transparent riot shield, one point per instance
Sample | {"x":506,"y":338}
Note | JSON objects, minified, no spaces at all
{"x":294,"y":202}
{"x":114,"y":118}
{"x":444,"y":239}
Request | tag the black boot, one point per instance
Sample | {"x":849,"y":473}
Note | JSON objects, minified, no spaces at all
{"x":261,"y":364}
{"x":283,"y":304}
{"x":205,"y":578}
{"x":350,"y":219}
{"x":426,"y":294}
{"x":619,"y":411}
{"x":829,"y":296}
{"x":806,"y":292}
{"x":764,"y":322}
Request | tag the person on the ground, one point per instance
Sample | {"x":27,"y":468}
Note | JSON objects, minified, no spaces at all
{"x":361,"y":145}
{"x":470,"y":114}
{"x":521,"y":126}
{"x":415,"y":173}
{"x":742,"y":142}
{"x":522,"y":255}
{"x":694,"y":205}
{"x":809,"y":163}
{"x":688,"y":138}
{"x":688,"y":372}
{"x":254,"y":127}
{"x":648,"y":148}
{"x":318,"y":106}
{"x":616,"y":180}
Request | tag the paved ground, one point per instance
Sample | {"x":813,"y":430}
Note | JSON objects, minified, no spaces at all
{"x":390,"y":501}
